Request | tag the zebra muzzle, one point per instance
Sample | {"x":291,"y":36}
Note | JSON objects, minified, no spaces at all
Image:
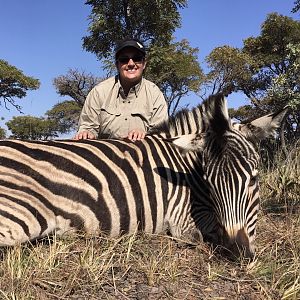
{"x":240,"y":245}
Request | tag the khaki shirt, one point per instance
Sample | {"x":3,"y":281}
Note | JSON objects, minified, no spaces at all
{"x":107,"y":112}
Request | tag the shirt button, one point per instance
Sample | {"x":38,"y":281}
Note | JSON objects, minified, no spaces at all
{"x":125,"y":119}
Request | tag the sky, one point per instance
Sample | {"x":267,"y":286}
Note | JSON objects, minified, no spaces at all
{"x":44,"y":40}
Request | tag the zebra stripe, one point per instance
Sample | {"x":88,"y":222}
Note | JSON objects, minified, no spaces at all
{"x":87,"y":185}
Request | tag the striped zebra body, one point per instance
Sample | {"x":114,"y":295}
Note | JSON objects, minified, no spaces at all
{"x":195,"y":174}
{"x":113,"y":186}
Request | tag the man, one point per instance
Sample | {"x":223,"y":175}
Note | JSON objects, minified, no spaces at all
{"x":124,"y":106}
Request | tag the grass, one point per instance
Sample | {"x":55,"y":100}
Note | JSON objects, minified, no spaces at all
{"x":144,"y":266}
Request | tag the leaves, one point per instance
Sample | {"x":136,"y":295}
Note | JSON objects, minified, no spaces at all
{"x":112,"y":20}
{"x":2,"y":133}
{"x":231,"y":70}
{"x":75,"y":84}
{"x":175,"y":69}
{"x":266,"y":70}
{"x":296,"y":7}
{"x":61,"y":119}
{"x":65,"y":115}
{"x":14,"y":84}
{"x":32,"y":128}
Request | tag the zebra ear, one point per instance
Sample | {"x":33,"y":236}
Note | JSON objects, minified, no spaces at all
{"x":263,"y":127}
{"x":215,"y":115}
{"x":188,"y":142}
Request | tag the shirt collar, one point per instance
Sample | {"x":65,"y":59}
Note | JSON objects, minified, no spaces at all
{"x":135,"y":89}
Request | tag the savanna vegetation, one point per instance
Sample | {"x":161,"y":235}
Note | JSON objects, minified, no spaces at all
{"x":266,"y":72}
{"x":14,"y":84}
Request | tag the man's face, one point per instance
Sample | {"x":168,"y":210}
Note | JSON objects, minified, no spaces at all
{"x":130,"y":64}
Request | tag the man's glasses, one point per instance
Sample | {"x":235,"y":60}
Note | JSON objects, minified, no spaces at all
{"x":138,"y":59}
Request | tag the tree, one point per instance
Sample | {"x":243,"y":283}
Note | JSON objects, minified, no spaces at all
{"x":2,"y":133}
{"x":231,"y":71}
{"x":32,"y":128}
{"x":285,"y":88}
{"x":75,"y":84}
{"x":175,"y":69}
{"x":296,"y":7}
{"x":266,"y":70}
{"x":61,"y":119}
{"x":14,"y":84}
{"x":65,"y":115}
{"x":149,"y":21}
{"x":270,"y":51}
{"x":278,"y":66}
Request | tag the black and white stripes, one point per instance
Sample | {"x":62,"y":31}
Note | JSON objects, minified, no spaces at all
{"x":110,"y":185}
{"x":186,"y":177}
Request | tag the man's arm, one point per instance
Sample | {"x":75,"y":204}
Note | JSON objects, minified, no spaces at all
{"x":160,"y":113}
{"x":89,"y":117}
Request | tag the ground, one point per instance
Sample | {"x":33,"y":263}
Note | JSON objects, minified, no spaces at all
{"x":154,"y":267}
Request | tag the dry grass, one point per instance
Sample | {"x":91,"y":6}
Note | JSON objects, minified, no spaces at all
{"x":156,"y":267}
{"x":281,"y":182}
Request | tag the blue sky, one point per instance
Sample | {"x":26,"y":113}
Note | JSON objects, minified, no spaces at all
{"x":44,"y":39}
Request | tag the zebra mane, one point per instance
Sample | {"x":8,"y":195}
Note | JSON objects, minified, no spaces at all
{"x":212,"y":111}
{"x":183,"y":122}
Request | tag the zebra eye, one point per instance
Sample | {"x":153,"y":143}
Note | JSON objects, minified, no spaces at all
{"x":253,"y":180}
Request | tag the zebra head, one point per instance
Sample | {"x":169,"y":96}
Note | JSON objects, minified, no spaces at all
{"x":230,"y":165}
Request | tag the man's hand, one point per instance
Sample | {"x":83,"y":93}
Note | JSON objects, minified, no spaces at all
{"x":84,"y":135}
{"x":136,"y":135}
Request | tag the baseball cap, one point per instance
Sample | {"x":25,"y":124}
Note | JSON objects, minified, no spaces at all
{"x":134,"y":43}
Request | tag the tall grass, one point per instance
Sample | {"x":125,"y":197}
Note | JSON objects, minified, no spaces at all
{"x":280,"y":181}
{"x":144,"y":266}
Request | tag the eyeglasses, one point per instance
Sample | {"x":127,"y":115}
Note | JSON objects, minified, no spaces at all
{"x":137,"y":59}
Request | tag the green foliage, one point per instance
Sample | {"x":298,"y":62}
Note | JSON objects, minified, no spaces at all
{"x":269,"y":48}
{"x":112,"y":20}
{"x":175,"y":69}
{"x":231,"y":70}
{"x":277,"y":51}
{"x":266,"y":70}
{"x":262,"y":58}
{"x":32,"y":128}
{"x":285,"y":89}
{"x":76,"y":85}
{"x":286,"y":86}
{"x":14,"y":84}
{"x":61,"y":119}
{"x":65,"y":115}
{"x":2,"y":133}
{"x":242,"y":113}
{"x":296,"y":7}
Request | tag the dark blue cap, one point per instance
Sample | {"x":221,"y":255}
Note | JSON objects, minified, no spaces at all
{"x":130,"y":43}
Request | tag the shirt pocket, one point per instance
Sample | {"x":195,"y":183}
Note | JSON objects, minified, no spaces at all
{"x":143,"y":110}
{"x":107,"y":118}
{"x":144,"y":115}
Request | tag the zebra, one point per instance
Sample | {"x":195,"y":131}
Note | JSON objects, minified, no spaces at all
{"x":195,"y":176}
